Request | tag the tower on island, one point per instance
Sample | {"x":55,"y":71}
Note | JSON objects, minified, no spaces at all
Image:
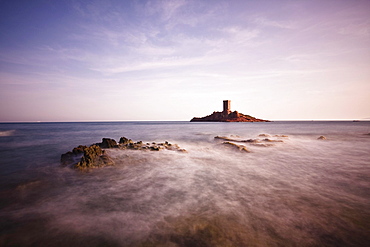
{"x":227,"y":116}
{"x":227,"y":106}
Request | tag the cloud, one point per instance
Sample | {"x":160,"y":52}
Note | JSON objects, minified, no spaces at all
{"x":263,"y":21}
{"x":165,"y":9}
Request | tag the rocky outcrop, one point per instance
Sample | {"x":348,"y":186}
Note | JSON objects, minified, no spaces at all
{"x":93,"y":157}
{"x":72,"y":157}
{"x":227,"y":117}
{"x":84,"y":157}
{"x":108,"y":143}
{"x":265,"y":142}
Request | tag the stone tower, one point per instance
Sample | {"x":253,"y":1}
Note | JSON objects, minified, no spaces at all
{"x":227,"y":106}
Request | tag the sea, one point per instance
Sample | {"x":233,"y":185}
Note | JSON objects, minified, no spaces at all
{"x":291,"y":190}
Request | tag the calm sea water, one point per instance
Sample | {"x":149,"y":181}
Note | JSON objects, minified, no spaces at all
{"x":299,"y":192}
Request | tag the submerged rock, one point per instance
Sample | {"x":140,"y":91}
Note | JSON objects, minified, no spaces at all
{"x":241,"y":148}
{"x":67,"y":158}
{"x":264,"y":135}
{"x":262,"y":144}
{"x":321,"y":138}
{"x":270,"y":140}
{"x":251,"y":140}
{"x":225,"y":138}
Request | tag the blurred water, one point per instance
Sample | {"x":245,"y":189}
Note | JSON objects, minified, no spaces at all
{"x":300,"y":192}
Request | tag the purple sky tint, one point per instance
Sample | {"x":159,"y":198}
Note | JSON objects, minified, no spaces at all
{"x":77,"y":60}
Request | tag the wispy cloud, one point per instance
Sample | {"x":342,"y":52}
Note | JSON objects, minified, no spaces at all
{"x":263,"y":21}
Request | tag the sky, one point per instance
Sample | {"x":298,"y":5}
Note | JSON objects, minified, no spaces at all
{"x":103,"y":60}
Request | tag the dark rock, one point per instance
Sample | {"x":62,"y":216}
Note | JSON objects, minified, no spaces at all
{"x":136,"y":146}
{"x":105,"y":160}
{"x":124,"y":141}
{"x":67,"y":158}
{"x":155,"y":148}
{"x":251,"y":141}
{"x":83,"y":157}
{"x":73,"y":157}
{"x":108,"y":143}
{"x":79,"y":150}
{"x":93,"y":157}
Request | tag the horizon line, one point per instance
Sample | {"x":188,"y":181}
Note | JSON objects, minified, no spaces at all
{"x":86,"y":121}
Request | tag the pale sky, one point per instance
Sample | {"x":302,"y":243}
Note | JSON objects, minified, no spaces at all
{"x":73,"y":60}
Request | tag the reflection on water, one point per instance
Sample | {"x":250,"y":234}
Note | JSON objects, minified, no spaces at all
{"x":300,"y":192}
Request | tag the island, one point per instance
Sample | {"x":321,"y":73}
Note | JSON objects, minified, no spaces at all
{"x":227,"y":116}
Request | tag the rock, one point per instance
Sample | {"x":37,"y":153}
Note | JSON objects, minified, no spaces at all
{"x":84,"y":157}
{"x":124,"y":141}
{"x":155,"y":148}
{"x":106,"y":160}
{"x":224,"y":138}
{"x":108,"y":143}
{"x":73,"y":157}
{"x":264,"y":135}
{"x":321,"y":138}
{"x":262,"y":144}
{"x":79,"y":150}
{"x":67,"y":158}
{"x":281,"y":136}
{"x":270,"y":140}
{"x":135,"y":146}
{"x":236,"y":146}
{"x":251,"y":141}
{"x":93,"y":157}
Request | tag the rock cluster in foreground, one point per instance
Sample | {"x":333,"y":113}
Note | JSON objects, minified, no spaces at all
{"x":85,"y":157}
{"x":227,"y":117}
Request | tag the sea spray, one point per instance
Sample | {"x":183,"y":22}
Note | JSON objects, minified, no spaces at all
{"x":300,"y":192}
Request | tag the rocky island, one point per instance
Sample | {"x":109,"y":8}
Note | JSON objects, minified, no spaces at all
{"x":227,"y":116}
